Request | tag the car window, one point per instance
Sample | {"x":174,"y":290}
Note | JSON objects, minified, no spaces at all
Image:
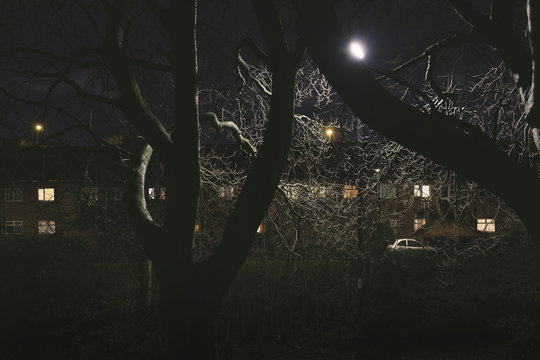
{"x":402,"y":243}
{"x":414,"y":244}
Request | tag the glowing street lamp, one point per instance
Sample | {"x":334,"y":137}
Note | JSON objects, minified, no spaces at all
{"x":329,"y":132}
{"x":38,"y":128}
{"x":357,"y":50}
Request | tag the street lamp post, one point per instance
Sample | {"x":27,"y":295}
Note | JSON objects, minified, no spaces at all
{"x":38,"y":128}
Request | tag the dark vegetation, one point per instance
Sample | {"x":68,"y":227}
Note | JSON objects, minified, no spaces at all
{"x":73,"y":299}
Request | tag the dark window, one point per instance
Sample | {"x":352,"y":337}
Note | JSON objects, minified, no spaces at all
{"x":12,"y":194}
{"x":14,"y":227}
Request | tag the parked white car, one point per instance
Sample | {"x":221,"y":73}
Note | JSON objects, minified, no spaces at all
{"x":408,"y":244}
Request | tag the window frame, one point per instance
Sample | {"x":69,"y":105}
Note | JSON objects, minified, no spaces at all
{"x":419,"y":222}
{"x":42,"y":192}
{"x":15,"y":224}
{"x":418,"y":191}
{"x":11,"y":191}
{"x":318,"y":191}
{"x":350,"y":192}
{"x":488,"y":225}
{"x":46,"y":224}
{"x":292,"y":191}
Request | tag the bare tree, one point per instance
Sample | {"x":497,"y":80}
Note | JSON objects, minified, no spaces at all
{"x":113,"y":65}
{"x":443,"y":134}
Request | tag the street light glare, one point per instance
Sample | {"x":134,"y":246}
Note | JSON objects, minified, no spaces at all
{"x":38,"y":127}
{"x":356,"y":50}
{"x":329,"y":132}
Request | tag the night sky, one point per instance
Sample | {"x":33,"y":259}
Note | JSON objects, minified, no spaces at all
{"x":387,"y":31}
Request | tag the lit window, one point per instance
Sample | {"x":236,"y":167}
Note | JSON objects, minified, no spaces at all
{"x":153,"y":194}
{"x":226,"y":192}
{"x":46,"y":194}
{"x":387,"y":191}
{"x":197,"y":228}
{"x":14,"y":227}
{"x":291,"y":191}
{"x":350,"y":192}
{"x":486,"y":225}
{"x":46,"y":227}
{"x":260,"y":229}
{"x":421,"y":191}
{"x":12,"y":194}
{"x":418,"y":223}
{"x":318,"y":191}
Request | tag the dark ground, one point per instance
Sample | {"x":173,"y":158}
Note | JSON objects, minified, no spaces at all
{"x":67,"y":299}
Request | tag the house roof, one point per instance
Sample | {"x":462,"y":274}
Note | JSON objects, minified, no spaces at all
{"x":24,"y":162}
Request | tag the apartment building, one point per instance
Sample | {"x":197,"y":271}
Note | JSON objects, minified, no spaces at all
{"x":75,"y":190}
{"x":49,"y":190}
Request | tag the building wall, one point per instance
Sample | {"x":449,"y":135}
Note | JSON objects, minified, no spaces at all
{"x":31,"y":210}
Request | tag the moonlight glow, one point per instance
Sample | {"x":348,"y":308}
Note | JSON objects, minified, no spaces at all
{"x":356,"y":50}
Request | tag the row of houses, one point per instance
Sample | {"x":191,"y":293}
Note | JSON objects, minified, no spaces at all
{"x":74,"y":190}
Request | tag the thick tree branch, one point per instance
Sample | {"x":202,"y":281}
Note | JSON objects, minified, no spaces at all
{"x":532,"y":107}
{"x":131,"y":101}
{"x":414,"y":89}
{"x":250,"y":69}
{"x":145,"y":226}
{"x":263,"y":178}
{"x":533,"y":15}
{"x":443,"y":139}
{"x":232,"y":127}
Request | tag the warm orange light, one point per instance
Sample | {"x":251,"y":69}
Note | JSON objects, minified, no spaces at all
{"x":38,"y":127}
{"x":329,"y":132}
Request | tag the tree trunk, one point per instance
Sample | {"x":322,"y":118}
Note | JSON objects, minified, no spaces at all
{"x":188,"y":312}
{"x":536,"y":138}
